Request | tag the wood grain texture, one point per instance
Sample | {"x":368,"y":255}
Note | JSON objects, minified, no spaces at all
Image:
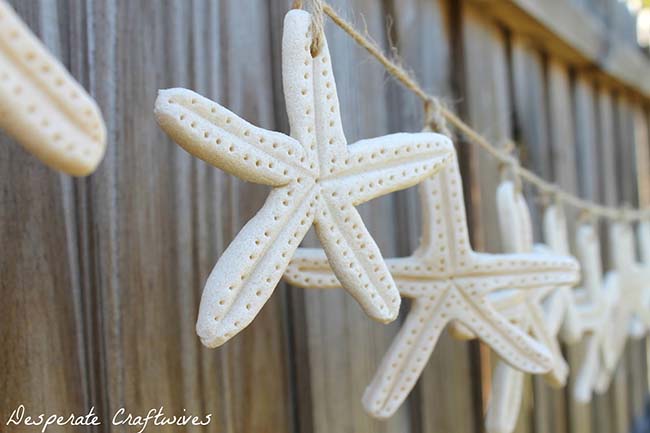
{"x":44,"y":362}
{"x":101,"y":277}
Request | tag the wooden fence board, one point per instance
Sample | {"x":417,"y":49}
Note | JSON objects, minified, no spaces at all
{"x":43,"y":358}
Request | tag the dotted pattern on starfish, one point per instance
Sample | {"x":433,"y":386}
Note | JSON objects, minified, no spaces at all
{"x":559,"y":307}
{"x":517,"y":236}
{"x":447,"y":281}
{"x":41,"y":104}
{"x":595,"y":309}
{"x":316,"y":178}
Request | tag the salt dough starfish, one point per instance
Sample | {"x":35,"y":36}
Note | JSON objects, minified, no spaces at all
{"x":42,"y":106}
{"x":632,"y":312}
{"x":596,"y":312}
{"x":315,"y":178}
{"x":507,"y":388}
{"x":446,"y":281}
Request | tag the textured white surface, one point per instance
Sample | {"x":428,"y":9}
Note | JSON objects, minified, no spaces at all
{"x":447,"y":281}
{"x":316,"y":178}
{"x":540,"y":322}
{"x":597,"y":300}
{"x":42,"y":106}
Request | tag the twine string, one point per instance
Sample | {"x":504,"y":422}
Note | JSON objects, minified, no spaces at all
{"x":317,"y":24}
{"x":445,"y":116}
{"x":434,"y":118}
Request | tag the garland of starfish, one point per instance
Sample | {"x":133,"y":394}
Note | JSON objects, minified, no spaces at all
{"x":520,"y":303}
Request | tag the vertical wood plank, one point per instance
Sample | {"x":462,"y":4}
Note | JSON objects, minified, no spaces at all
{"x":43,"y":359}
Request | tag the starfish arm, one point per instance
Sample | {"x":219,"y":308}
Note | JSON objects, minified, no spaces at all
{"x":356,"y":260}
{"x":310,"y":269}
{"x":505,"y":399}
{"x":587,"y":375}
{"x":404,"y":361}
{"x":509,"y":304}
{"x":506,"y":339}
{"x":603,"y":381}
{"x":622,"y":243}
{"x":514,"y":219}
{"x":555,"y":230}
{"x":310,"y":93}
{"x":571,"y":329}
{"x":378,"y":166}
{"x":248,"y":271}
{"x":523,"y":271}
{"x":560,"y":314}
{"x":616,"y":337}
{"x":445,"y":238}
{"x":221,"y":138}
{"x":590,"y":316}
{"x":643,"y":231}
{"x":557,"y":376}
{"x":641,"y":307}
{"x":41,"y":104}
{"x":588,"y":249}
{"x":637,"y":329}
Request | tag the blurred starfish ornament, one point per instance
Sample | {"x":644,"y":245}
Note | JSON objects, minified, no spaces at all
{"x":632,"y":311}
{"x":517,"y":236}
{"x":42,"y":106}
{"x":446,"y":281}
{"x":316,"y":178}
{"x":596,"y":311}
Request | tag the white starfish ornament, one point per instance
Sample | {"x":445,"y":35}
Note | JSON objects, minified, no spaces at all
{"x":446,"y":281}
{"x":315,"y":178}
{"x":507,"y":383}
{"x":42,"y":106}
{"x":596,"y":313}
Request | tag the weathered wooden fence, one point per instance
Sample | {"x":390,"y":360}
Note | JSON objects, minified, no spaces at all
{"x":100,"y":278}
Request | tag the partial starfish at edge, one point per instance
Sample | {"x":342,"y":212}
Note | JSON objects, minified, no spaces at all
{"x":596,"y":311}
